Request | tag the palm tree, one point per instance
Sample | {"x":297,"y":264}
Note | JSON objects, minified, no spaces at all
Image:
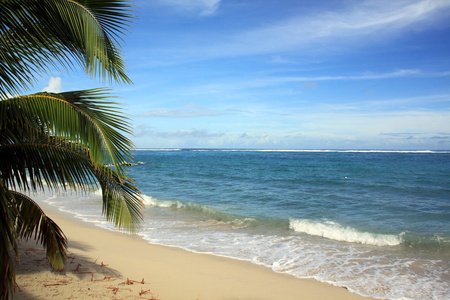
{"x":58,"y":141}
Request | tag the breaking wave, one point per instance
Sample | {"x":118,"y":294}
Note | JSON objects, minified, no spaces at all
{"x":337,"y":232}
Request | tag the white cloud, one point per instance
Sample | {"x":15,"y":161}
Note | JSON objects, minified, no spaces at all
{"x":190,"y":111}
{"x":366,"y":76}
{"x":374,"y":124}
{"x":276,"y":59}
{"x":363,"y":23}
{"x":179,"y":138}
{"x":236,"y":84}
{"x":193,"y":133}
{"x":368,"y":17}
{"x":322,"y":129}
{"x":54,"y":85}
{"x":319,"y":32}
{"x":202,"y":7}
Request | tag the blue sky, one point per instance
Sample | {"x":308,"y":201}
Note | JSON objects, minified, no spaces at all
{"x":285,"y":74}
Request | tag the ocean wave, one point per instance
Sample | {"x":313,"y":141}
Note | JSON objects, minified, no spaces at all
{"x":158,"y":149}
{"x":437,"y":242}
{"x":326,"y":229}
{"x":151,"y":201}
{"x":299,"y":150}
{"x":335,"y":231}
{"x":175,"y":204}
{"x":202,"y":211}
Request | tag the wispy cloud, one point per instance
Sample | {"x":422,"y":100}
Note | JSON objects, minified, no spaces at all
{"x":190,"y":111}
{"x":310,"y":85}
{"x":177,"y":138}
{"x":400,"y":134}
{"x":440,"y":137}
{"x":194,"y":133}
{"x":408,"y":123}
{"x":362,"y":23}
{"x":200,"y":7}
{"x":394,"y":104}
{"x":276,"y":59}
{"x":365,"y":76}
{"x":362,"y":20}
{"x":386,"y":130}
{"x":239,"y":84}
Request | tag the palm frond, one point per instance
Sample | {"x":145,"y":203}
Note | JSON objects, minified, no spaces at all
{"x":38,"y":34}
{"x":7,"y":274}
{"x":60,"y":140}
{"x":58,"y":166}
{"x":32,"y":221}
{"x":80,"y":117}
{"x":46,"y":164}
{"x":8,"y":239}
{"x":98,"y":23}
{"x":122,"y":202}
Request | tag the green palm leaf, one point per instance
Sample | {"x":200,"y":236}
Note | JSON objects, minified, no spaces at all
{"x":8,"y":239}
{"x":38,"y":34}
{"x":57,"y":141}
{"x":66,"y":140}
{"x":59,"y":166}
{"x":91,"y":125}
{"x":22,"y":217}
{"x":33,"y":221}
{"x":122,"y":203}
{"x":40,"y":165}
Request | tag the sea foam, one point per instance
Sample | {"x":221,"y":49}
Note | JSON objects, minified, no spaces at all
{"x":334,"y":231}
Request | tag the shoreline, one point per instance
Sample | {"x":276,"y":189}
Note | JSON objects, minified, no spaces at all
{"x":101,"y":262}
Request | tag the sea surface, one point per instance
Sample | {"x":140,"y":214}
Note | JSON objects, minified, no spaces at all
{"x":375,"y":222}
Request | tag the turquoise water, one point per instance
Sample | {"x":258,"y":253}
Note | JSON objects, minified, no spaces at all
{"x":375,"y":222}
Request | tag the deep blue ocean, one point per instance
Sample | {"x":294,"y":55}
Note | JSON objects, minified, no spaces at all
{"x":375,"y":222}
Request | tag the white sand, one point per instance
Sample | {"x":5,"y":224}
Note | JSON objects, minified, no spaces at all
{"x":100,"y":261}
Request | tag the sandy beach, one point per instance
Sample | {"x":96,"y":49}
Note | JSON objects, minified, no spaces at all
{"x":103,"y":264}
